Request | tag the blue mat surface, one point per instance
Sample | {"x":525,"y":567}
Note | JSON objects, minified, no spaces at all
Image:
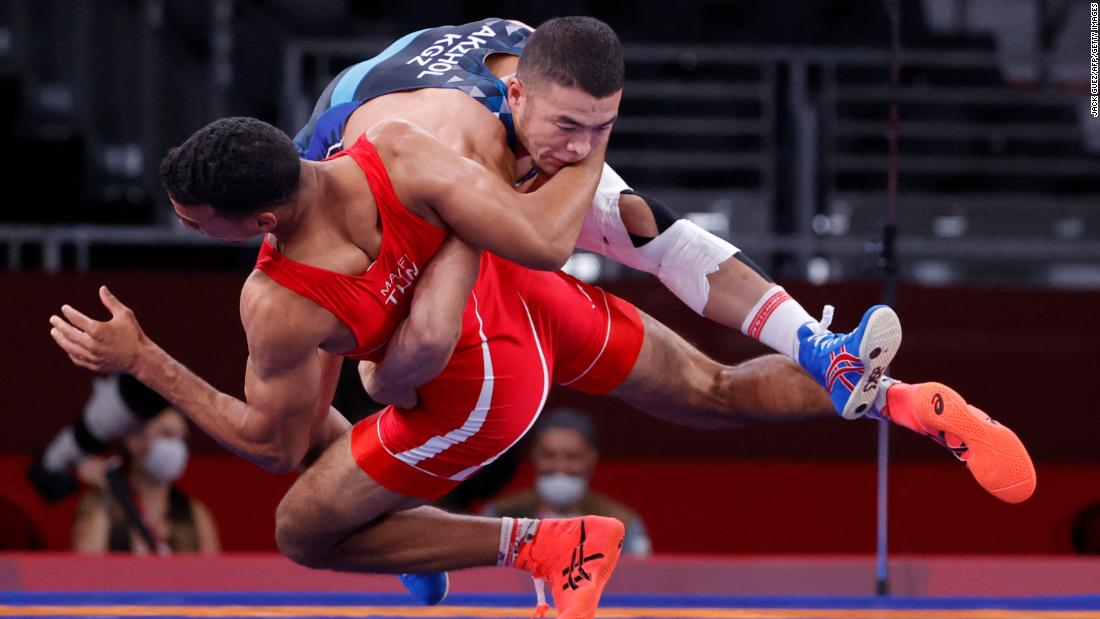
{"x":476,"y":606}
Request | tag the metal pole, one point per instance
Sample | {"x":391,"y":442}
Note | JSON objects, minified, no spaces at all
{"x":888,"y":263}
{"x":221,"y":57}
{"x":805,"y":139}
{"x":152,"y":116}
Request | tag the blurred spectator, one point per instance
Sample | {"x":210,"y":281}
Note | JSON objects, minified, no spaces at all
{"x":155,"y":457}
{"x":564,"y":454}
{"x":117,"y":407}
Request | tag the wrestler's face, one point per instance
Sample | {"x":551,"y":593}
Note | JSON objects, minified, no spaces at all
{"x":562,"y":450}
{"x":210,"y":222}
{"x":558,"y":125}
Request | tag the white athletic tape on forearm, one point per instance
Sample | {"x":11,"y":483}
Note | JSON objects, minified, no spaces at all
{"x":603,"y":231}
{"x":687,"y":254}
{"x":681,"y":257}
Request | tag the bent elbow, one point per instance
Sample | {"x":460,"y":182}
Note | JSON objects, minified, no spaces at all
{"x":283,"y":459}
{"x":274,"y":453}
{"x":281,"y":466}
{"x":543,"y":254}
{"x":555,"y":255}
{"x":438,"y":336}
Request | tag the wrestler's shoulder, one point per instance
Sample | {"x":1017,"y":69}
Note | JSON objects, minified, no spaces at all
{"x":270,"y":310}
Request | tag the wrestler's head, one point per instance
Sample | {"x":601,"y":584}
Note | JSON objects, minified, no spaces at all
{"x":565,"y":94}
{"x":232,"y":179}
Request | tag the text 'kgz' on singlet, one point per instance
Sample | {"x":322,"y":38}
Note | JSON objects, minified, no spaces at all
{"x":372,"y":304}
{"x":444,"y":57}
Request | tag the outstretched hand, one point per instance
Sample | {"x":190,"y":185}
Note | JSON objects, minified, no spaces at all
{"x":113,"y":346}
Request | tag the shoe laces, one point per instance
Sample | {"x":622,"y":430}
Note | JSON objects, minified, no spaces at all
{"x":821,"y":331}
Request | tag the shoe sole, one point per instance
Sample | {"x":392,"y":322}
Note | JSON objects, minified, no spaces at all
{"x":427,"y":601}
{"x":446,"y":589}
{"x":611,"y":560}
{"x":996,"y":457}
{"x":881,"y":340}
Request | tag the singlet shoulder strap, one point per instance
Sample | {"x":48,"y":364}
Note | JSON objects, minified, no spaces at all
{"x":396,"y":218}
{"x":366,"y":155}
{"x":311,"y":282}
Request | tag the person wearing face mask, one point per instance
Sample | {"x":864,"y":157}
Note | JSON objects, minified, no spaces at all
{"x":564,"y":454}
{"x":155,"y":457}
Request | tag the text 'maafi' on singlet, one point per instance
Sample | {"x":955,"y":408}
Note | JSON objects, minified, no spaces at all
{"x":373,"y":303}
{"x":444,"y":57}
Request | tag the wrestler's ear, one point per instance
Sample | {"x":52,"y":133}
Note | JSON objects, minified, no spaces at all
{"x":266,"y":221}
{"x":517,"y":92}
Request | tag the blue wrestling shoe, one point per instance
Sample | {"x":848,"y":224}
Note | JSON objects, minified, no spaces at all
{"x":430,"y":588}
{"x":849,"y":365}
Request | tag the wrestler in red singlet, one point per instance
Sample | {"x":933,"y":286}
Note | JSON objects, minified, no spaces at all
{"x":521,"y":330}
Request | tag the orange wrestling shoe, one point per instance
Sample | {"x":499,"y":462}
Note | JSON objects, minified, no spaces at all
{"x":576,"y":557}
{"x":993,"y":453}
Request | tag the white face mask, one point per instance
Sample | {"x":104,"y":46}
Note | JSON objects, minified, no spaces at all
{"x":561,"y":489}
{"x":166,"y":459}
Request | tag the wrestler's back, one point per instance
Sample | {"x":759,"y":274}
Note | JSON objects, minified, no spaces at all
{"x":449,"y":80}
{"x":451,"y":116}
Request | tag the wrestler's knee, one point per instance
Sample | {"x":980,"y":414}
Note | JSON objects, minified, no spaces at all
{"x":295,"y":534}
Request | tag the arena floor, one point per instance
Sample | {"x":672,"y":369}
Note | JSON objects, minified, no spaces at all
{"x":477,"y":606}
{"x":745,"y":587}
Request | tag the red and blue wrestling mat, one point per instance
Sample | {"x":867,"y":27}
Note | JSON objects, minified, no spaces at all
{"x":731,"y":588}
{"x":477,"y":606}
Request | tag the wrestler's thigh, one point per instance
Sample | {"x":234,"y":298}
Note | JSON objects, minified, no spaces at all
{"x":335,"y":496}
{"x":670,"y":375}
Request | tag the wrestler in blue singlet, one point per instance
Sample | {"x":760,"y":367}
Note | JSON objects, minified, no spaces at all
{"x":444,"y":57}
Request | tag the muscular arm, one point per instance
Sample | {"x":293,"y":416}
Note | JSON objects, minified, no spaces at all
{"x":538,"y":230}
{"x":271,"y":428}
{"x":328,"y":423}
{"x":423,"y":343}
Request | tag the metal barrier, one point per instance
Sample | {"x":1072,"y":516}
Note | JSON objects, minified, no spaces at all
{"x":782,"y":151}
{"x":52,"y":241}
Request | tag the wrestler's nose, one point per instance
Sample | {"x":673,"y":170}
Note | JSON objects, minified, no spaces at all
{"x":580,"y":148}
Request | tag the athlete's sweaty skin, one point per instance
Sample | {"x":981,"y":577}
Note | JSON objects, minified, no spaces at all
{"x":557,"y":125}
{"x":334,"y":225}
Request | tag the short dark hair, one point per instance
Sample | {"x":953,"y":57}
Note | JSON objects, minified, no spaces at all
{"x":569,"y":419}
{"x":237,"y":165}
{"x":579,"y":52}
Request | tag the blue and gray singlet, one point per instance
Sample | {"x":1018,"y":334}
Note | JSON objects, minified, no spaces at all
{"x":444,"y":57}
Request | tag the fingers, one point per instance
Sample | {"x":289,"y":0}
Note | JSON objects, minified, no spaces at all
{"x":69,"y":346}
{"x":72,"y":333}
{"x":366,"y":368}
{"x":77,"y":354}
{"x":84,"y":364}
{"x":111,"y":301}
{"x":78,"y":319}
{"x":408,"y":401}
